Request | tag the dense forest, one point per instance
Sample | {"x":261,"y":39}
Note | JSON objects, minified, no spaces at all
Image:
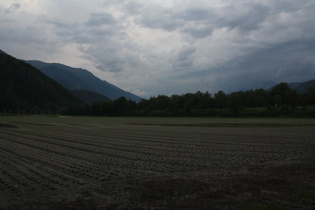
{"x":281,"y":100}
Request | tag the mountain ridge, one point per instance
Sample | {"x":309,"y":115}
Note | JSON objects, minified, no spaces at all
{"x":81,"y":79}
{"x":302,"y":87}
{"x":89,"y":97}
{"x":2,"y":52}
{"x":26,"y":89}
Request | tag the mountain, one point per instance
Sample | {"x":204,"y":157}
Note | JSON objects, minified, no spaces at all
{"x":81,"y":79}
{"x":294,"y":85}
{"x":25,"y":88}
{"x":89,"y":97}
{"x":302,"y":87}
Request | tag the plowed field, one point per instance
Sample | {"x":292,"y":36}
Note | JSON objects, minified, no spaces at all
{"x":156,"y":163}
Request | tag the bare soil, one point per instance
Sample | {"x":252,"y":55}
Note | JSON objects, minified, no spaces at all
{"x":87,"y":163}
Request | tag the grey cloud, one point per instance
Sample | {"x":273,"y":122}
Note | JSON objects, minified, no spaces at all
{"x":133,"y":8}
{"x":101,"y":33}
{"x":113,"y":56}
{"x":13,"y":8}
{"x":245,"y":17}
{"x":196,"y":15}
{"x":198,"y":31}
{"x":98,"y":19}
{"x":191,"y":21}
{"x":159,"y":20}
{"x":262,"y":68}
{"x":261,"y":63}
{"x":69,"y":32}
{"x":107,"y":60}
{"x":183,"y":57}
{"x":291,"y":5}
{"x":59,"y":25}
{"x":111,"y":66}
{"x":284,"y":62}
{"x":85,"y":33}
{"x":200,"y":22}
{"x":185,"y":53}
{"x":230,"y":45}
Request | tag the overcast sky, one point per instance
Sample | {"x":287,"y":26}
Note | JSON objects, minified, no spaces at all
{"x":152,"y":47}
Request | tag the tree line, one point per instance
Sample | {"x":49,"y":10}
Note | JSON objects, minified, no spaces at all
{"x":281,"y":100}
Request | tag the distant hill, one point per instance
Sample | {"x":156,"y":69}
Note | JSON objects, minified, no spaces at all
{"x":302,"y":87}
{"x":89,"y":97}
{"x":294,"y":85}
{"x":25,"y":88}
{"x":81,"y":79}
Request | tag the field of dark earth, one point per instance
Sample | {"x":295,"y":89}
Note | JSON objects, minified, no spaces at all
{"x":156,"y":163}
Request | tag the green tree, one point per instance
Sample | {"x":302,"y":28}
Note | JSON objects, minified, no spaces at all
{"x":310,"y":96}
{"x":235,"y":102}
{"x":282,"y":95}
{"x":220,"y":99}
{"x":123,"y":107}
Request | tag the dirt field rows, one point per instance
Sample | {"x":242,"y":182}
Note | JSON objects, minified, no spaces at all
{"x":134,"y":163}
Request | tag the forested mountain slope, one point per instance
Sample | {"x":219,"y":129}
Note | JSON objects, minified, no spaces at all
{"x":89,"y":97}
{"x":23,"y":88}
{"x":304,"y":86}
{"x":81,"y":79}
